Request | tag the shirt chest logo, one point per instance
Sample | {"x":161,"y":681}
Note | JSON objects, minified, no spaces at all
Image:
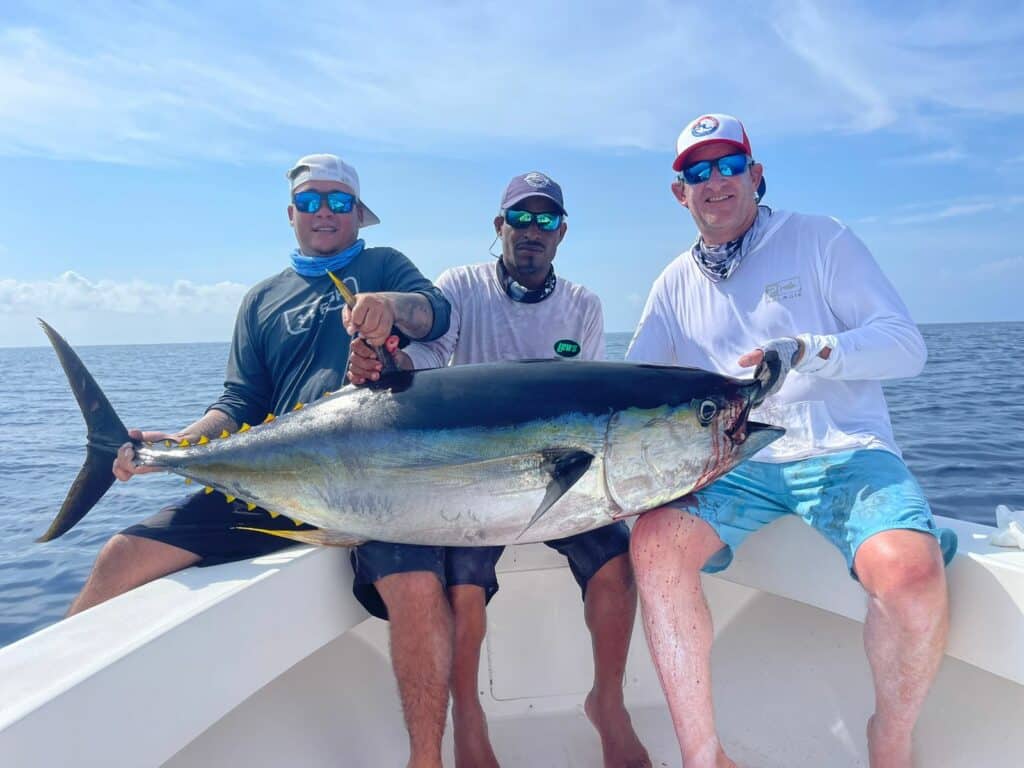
{"x":567,"y":348}
{"x":783,"y":290}
{"x":302,"y":319}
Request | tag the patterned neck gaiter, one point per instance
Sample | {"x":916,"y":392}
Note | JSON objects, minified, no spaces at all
{"x":718,"y":262}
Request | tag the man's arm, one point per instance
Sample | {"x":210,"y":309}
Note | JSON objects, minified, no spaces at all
{"x":406,"y":301}
{"x":376,"y":314}
{"x":879,"y":342}
{"x":593,"y":331}
{"x":652,"y":341}
{"x":248,"y":394}
{"x":212,"y":425}
{"x":882,"y":341}
{"x":364,"y":366}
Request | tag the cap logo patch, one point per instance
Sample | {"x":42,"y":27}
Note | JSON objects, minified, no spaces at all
{"x":704,"y":126}
{"x":536,"y":180}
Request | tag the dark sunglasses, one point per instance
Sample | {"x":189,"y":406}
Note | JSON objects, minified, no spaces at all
{"x":310,"y":201}
{"x":546,"y":222}
{"x":730,"y":165}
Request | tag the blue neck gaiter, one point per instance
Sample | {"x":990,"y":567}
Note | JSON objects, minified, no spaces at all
{"x":318,"y":266}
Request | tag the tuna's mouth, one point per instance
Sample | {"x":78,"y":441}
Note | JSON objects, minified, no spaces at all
{"x":739,"y":430}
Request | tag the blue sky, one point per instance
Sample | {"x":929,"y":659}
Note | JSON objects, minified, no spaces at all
{"x":143,"y":144}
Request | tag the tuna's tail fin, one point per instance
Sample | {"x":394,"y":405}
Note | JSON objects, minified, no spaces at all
{"x":106,"y":434}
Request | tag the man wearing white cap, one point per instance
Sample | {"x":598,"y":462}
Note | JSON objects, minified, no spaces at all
{"x":290,"y":347}
{"x":802,"y":294}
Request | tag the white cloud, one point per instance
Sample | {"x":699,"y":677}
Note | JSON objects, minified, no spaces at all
{"x":153,"y":83}
{"x":922,"y":213}
{"x":73,"y":292}
{"x":1002,"y":268}
{"x":936,"y":157}
{"x":947,"y":212}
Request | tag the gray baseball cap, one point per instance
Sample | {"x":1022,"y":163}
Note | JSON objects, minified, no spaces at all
{"x":325,"y":167}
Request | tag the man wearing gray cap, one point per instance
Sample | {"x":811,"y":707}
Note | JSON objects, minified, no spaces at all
{"x":290,"y":347}
{"x":804,"y":293}
{"x":515,"y":308}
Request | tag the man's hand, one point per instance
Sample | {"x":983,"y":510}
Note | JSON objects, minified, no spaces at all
{"x":372,"y":317}
{"x":124,"y":467}
{"x":364,"y":364}
{"x":788,"y":350}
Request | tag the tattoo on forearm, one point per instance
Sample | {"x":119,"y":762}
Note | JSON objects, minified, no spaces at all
{"x":211,"y":425}
{"x":413,"y":314}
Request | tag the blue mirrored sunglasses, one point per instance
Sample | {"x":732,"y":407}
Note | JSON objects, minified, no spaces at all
{"x":546,"y":222}
{"x":309,"y":201}
{"x":730,"y":165}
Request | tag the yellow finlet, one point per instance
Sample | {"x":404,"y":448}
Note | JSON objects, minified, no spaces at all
{"x":203,"y":440}
{"x":327,"y":393}
{"x":270,"y":418}
{"x":208,"y":490}
{"x":299,"y":406}
{"x":168,"y":443}
{"x":309,"y":536}
{"x":224,"y":433}
{"x":244,"y":428}
{"x":250,"y":506}
{"x":297,"y":522}
{"x":188,"y":481}
{"x":184,"y":444}
{"x":273,"y":514}
{"x":229,"y":497}
{"x":346,"y":294}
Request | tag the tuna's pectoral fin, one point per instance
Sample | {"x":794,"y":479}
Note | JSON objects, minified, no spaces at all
{"x":566,"y":467}
{"x":316,"y":536}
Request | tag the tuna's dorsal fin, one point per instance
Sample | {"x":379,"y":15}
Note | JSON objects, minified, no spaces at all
{"x":566,"y":467}
{"x":316,"y":536}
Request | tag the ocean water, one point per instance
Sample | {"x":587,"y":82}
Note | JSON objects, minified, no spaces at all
{"x":960,"y":425}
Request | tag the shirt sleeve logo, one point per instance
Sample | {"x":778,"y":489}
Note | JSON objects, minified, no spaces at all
{"x":567,"y":348}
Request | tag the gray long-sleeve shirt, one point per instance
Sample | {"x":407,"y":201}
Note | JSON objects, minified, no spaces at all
{"x":289,"y":345}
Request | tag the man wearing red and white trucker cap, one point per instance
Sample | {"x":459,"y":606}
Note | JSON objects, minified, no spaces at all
{"x":724,"y":130}
{"x":801,"y":298}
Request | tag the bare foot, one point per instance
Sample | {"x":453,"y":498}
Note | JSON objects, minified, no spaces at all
{"x":710,"y":755}
{"x":472,"y":742}
{"x":619,"y":743}
{"x":888,"y":747}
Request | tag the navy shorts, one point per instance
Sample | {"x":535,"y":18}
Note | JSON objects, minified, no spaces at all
{"x":587,"y":552}
{"x":376,"y":559}
{"x":204,"y":524}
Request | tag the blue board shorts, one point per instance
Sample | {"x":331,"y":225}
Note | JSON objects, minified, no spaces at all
{"x":587,"y":552}
{"x":848,"y":497}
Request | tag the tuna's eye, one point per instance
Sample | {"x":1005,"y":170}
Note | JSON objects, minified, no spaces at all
{"x":706,"y":411}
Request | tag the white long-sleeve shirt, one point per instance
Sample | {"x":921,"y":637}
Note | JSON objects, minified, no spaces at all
{"x":808,"y":274}
{"x":487,"y":326}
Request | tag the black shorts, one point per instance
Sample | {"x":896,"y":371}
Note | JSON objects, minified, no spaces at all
{"x":204,"y":523}
{"x":587,"y":552}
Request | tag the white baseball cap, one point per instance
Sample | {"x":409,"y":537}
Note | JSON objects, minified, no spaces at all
{"x":324,"y":167}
